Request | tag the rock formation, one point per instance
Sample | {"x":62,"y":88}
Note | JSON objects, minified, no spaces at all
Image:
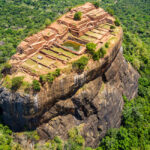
{"x":96,"y":106}
{"x":62,"y":30}
{"x":91,"y":100}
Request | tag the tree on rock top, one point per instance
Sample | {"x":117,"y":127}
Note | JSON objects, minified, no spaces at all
{"x":78,"y":15}
{"x":16,"y":83}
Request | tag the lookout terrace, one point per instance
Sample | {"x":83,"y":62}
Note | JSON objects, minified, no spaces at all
{"x":64,"y":41}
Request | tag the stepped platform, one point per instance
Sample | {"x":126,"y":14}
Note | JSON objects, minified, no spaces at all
{"x":64,"y":41}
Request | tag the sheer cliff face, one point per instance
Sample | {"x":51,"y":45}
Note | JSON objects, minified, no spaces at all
{"x":96,"y":106}
{"x":91,"y":100}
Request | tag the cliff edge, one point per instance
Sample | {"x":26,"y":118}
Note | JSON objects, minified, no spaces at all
{"x":91,"y":101}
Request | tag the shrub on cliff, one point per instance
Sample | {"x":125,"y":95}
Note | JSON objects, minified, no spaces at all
{"x":16,"y":83}
{"x":74,"y":136}
{"x":36,"y":85}
{"x":42,"y":79}
{"x":32,"y":135}
{"x":89,"y":148}
{"x":7,"y":82}
{"x":80,"y":64}
{"x":56,"y":73}
{"x":28,"y":87}
{"x":59,"y":143}
{"x":95,"y":56}
{"x":98,"y":54}
{"x":50,"y":78}
{"x":91,"y":48}
{"x":101,"y":52}
{"x":57,"y":140}
{"x":78,"y":15}
{"x":6,"y":69}
{"x":69,"y":8}
{"x":79,"y":140}
{"x":52,"y":75}
{"x":7,"y":66}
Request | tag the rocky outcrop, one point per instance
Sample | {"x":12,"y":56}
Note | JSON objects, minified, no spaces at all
{"x":96,"y":106}
{"x":91,"y":100}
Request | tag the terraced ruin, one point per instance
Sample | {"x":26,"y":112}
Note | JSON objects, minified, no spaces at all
{"x":64,"y":41}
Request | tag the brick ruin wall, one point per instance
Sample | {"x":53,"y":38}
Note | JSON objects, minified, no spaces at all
{"x":47,"y":37}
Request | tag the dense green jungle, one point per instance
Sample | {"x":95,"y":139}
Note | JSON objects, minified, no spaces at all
{"x":20,"y":18}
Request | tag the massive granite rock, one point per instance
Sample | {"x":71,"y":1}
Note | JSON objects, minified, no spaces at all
{"x":96,"y":106}
{"x":91,"y":100}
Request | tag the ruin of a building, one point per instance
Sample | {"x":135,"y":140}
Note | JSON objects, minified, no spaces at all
{"x":46,"y":49}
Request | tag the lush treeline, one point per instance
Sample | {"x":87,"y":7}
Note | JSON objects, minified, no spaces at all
{"x":22,"y":17}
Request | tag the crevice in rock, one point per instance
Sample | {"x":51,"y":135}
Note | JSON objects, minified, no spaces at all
{"x":104,"y":78}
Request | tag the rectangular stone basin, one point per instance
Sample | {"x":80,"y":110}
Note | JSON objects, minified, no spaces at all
{"x":73,"y":46}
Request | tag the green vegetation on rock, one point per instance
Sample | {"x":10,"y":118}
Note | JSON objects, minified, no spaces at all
{"x":99,"y":54}
{"x":80,"y":64}
{"x":91,"y":47}
{"x":36,"y":85}
{"x":78,"y":15}
{"x":50,"y":76}
{"x":32,"y":135}
{"x":16,"y":83}
{"x":96,"y":55}
{"x":106,"y":44}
